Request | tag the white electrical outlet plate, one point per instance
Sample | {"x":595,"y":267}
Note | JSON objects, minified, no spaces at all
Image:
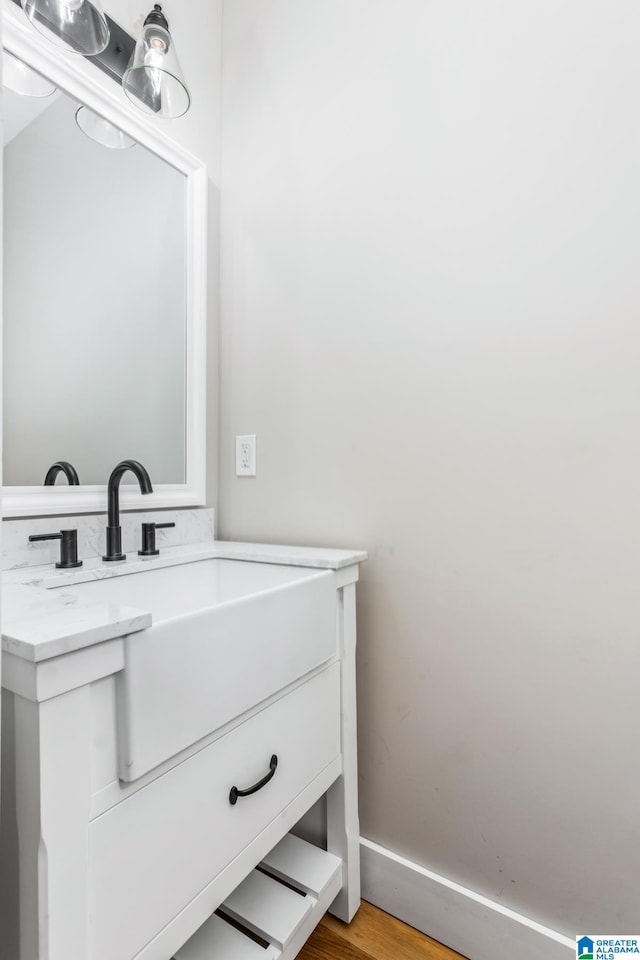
{"x":246,"y":456}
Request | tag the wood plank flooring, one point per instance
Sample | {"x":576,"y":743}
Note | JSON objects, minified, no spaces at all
{"x":373,"y":935}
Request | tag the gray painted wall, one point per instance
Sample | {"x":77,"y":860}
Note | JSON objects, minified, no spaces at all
{"x":430,"y":306}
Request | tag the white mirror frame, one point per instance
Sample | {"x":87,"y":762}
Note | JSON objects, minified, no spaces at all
{"x":80,"y":80}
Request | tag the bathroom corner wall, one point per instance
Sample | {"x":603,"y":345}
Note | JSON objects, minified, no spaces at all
{"x":430,"y":320}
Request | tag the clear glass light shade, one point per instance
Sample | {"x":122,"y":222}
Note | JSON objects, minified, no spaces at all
{"x":78,"y":26}
{"x":100,"y":130}
{"x":153,"y":81}
{"x":20,"y":78}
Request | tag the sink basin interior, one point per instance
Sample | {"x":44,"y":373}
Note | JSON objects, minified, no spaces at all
{"x":185,"y":588}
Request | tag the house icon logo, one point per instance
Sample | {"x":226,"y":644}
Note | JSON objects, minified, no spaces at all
{"x":584,"y":947}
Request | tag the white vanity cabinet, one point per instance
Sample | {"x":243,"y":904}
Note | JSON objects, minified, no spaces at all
{"x":99,"y":867}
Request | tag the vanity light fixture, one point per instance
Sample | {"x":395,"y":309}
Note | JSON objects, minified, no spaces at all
{"x":148,"y":70}
{"x":100,"y":130}
{"x":78,"y":26}
{"x":153,"y":81}
{"x":20,"y":78}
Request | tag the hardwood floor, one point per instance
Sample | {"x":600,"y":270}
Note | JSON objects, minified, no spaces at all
{"x":373,"y":935}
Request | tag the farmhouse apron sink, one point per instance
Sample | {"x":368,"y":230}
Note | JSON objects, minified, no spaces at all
{"x":225,"y":636}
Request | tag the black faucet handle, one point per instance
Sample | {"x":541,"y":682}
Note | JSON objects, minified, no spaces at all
{"x":149,"y":548}
{"x":68,"y":547}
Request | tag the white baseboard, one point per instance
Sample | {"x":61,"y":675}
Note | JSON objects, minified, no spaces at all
{"x":476,"y":927}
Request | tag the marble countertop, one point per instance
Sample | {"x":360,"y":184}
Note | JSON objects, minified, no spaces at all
{"x":39,"y":623}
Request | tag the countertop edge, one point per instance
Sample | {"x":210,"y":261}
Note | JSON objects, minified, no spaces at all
{"x":38,"y":624}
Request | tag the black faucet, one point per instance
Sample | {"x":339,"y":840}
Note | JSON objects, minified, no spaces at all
{"x":114,"y":531}
{"x":62,"y":466}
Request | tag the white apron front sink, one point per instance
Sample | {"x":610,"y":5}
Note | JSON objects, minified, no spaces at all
{"x":226,"y":635}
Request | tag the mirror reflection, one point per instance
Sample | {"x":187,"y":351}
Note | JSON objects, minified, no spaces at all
{"x":94,"y":299}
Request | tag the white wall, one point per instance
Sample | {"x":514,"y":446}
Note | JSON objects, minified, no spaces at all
{"x":431,"y":226}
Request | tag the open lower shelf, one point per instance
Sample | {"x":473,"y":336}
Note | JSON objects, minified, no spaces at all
{"x":274,"y":910}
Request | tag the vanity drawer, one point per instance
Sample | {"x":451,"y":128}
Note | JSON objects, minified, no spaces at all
{"x":154,"y":852}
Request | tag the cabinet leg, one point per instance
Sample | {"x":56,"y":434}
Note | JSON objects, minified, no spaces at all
{"x":52,"y":795}
{"x":343,"y":825}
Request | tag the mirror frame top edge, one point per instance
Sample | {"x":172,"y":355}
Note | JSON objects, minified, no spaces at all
{"x":76,"y":79}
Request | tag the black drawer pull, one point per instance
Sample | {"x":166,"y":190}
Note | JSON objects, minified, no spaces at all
{"x":234,"y":793}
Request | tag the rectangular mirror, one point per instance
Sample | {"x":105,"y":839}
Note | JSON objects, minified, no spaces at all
{"x":103,"y":295}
